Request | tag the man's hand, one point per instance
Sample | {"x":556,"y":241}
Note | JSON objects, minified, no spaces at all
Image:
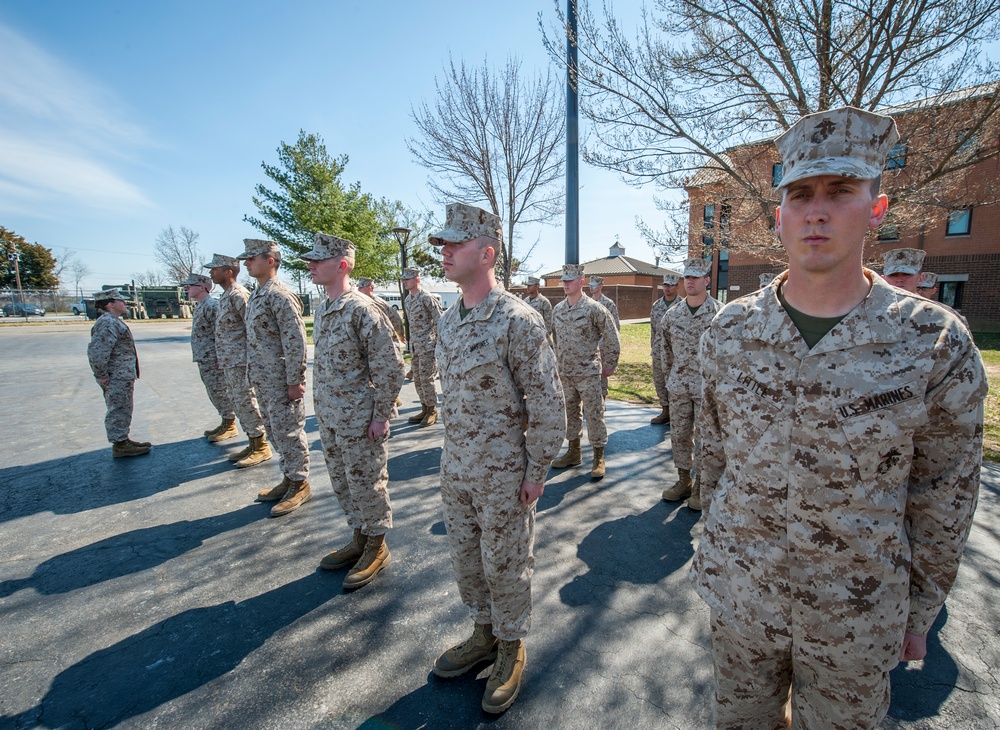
{"x":914,"y":647}
{"x":530,"y":491}
{"x":378,"y":430}
{"x":297,"y":391}
{"x":606,"y":373}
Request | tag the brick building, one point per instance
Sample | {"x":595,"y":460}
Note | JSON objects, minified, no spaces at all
{"x":958,"y":225}
{"x":633,"y":285}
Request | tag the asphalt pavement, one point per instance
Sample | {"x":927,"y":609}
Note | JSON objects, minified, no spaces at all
{"x":152,"y":592}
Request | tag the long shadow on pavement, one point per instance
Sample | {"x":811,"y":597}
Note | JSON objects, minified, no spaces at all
{"x":128,"y":553}
{"x":920,"y":693}
{"x":170,"y":658}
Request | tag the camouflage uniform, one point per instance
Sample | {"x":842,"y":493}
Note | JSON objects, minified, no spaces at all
{"x":840,"y":484}
{"x":357,"y":374}
{"x":112,"y":355}
{"x":659,"y":351}
{"x":578,"y":331}
{"x":276,"y":352}
{"x":544,"y":307}
{"x":231,"y":349}
{"x":682,"y":330}
{"x":203,"y":351}
{"x":398,"y":331}
{"x":423,"y":313}
{"x":613,"y":311}
{"x":502,"y":407}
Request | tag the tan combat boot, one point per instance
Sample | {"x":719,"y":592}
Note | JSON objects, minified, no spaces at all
{"x":144,"y":444}
{"x":681,"y":489}
{"x":480,"y":647}
{"x":274,"y":493}
{"x":572,"y":457}
{"x":664,"y":416}
{"x":226,"y":432}
{"x":505,"y":680}
{"x":297,"y":495}
{"x":347,"y":555}
{"x":213,"y":431}
{"x":418,"y":417}
{"x":375,"y":557}
{"x":122,"y":449}
{"x":430,"y":418}
{"x":597,"y":471}
{"x":694,"y":501}
{"x":260,"y":451}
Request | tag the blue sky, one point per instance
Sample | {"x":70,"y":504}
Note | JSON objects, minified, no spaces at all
{"x":118,"y":119}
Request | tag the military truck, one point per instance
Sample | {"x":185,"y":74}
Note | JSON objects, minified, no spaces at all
{"x":165,"y":301}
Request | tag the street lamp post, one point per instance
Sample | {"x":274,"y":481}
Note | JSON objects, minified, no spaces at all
{"x":402,"y":238}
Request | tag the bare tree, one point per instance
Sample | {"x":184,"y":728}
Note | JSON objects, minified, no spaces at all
{"x":495,"y":137}
{"x":152,"y":277}
{"x":78,"y":270}
{"x":178,"y":252}
{"x":704,"y":81}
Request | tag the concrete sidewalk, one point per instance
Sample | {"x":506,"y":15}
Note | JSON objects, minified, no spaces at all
{"x":152,"y":592}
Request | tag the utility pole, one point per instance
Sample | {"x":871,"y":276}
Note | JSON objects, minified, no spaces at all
{"x":572,"y":141}
{"x":13,"y":258}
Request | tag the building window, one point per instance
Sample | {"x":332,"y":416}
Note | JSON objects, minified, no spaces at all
{"x":950,"y":293}
{"x":897,"y":157}
{"x":708,"y":216}
{"x":960,"y":222}
{"x":776,"y":171}
{"x":707,"y":245}
{"x":725,"y":214}
{"x":968,"y":143}
{"x":722,"y":279}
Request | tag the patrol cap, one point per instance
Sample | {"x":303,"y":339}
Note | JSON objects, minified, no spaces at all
{"x":845,"y":141}
{"x":364,"y":281}
{"x":256,"y":247}
{"x":596,"y":281}
{"x":108,"y":295}
{"x":697,"y":267}
{"x":927,"y":281}
{"x":572,"y":271}
{"x":671,"y":279}
{"x":218,"y":260}
{"x":902,"y":261}
{"x":326,"y":246}
{"x":532,"y":280}
{"x":766,"y":279}
{"x":409,"y":273}
{"x":464,"y":222}
{"x":195,"y":279}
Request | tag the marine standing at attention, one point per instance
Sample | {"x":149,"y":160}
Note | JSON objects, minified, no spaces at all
{"x":659,"y":350}
{"x":422,"y":313}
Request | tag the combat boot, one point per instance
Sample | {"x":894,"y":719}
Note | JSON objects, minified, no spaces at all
{"x":297,"y":495}
{"x":375,"y":557}
{"x":505,"y":680}
{"x":122,"y":449}
{"x":418,"y":417}
{"x":480,"y":647}
{"x":260,"y":451}
{"x":347,"y":555}
{"x":681,"y":489}
{"x":597,"y":470}
{"x":572,"y":457}
{"x":143,"y":444}
{"x":430,"y":418}
{"x":664,"y":417}
{"x":226,"y":432}
{"x":694,"y":501}
{"x":217,"y":429}
{"x":274,"y":493}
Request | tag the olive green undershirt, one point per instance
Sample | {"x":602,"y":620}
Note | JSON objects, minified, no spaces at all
{"x":694,"y":310}
{"x":812,"y":329}
{"x":462,"y":311}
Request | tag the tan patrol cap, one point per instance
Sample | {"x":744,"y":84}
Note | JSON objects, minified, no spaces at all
{"x":409,"y":273}
{"x":532,"y":280}
{"x":902,"y":261}
{"x":364,"y":282}
{"x":465,"y":222}
{"x":671,"y":279}
{"x":846,"y":141}
{"x":596,"y":281}
{"x":195,"y":279}
{"x":257,"y":246}
{"x":326,"y":246}
{"x":697,"y":267}
{"x":218,"y":260}
{"x":108,"y":295}
{"x":927,"y":281}
{"x":572,"y":271}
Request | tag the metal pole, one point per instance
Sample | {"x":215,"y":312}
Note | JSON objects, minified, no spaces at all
{"x":572,"y":141}
{"x":17,"y":275}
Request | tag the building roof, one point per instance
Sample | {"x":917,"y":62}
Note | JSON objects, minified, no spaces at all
{"x":620,"y":265}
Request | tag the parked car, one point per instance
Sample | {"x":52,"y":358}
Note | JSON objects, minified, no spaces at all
{"x":79,"y":307}
{"x":16,"y":309}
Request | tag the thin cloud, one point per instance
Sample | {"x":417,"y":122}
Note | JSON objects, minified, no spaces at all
{"x":58,"y":130}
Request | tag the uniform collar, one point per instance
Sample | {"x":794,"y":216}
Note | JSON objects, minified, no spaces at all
{"x":333,"y":305}
{"x":484,"y":310}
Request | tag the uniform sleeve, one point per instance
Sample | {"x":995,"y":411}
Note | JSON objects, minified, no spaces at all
{"x":102,"y":342}
{"x":397,"y":322}
{"x":713,"y":456}
{"x":666,"y":353}
{"x":293,"y":337}
{"x":944,"y":482}
{"x":614,"y":315}
{"x":239,"y":301}
{"x":611,"y":348}
{"x":385,"y":365}
{"x":533,"y":366}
